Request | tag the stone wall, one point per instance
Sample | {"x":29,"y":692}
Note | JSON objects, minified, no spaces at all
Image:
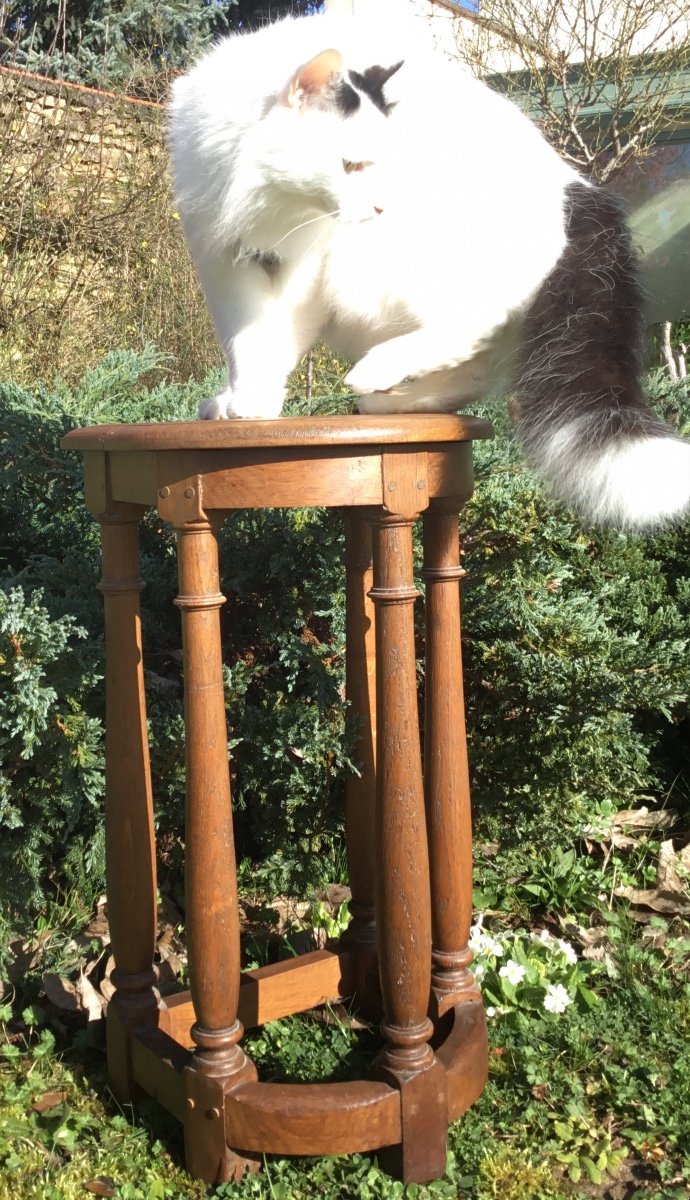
{"x":91,"y":254}
{"x":88,"y":127}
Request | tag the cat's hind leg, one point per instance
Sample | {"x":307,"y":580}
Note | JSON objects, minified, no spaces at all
{"x":264,"y":327}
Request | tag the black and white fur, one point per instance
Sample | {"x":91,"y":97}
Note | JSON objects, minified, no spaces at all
{"x":343,"y":181}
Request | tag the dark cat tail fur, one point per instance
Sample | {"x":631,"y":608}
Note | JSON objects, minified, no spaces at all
{"x":578,"y":403}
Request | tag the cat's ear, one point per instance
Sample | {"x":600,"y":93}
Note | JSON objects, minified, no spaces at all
{"x":313,"y":78}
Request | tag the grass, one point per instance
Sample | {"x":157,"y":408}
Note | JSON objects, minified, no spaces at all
{"x":590,"y":1101}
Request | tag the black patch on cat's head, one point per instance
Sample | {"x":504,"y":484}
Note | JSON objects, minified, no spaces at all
{"x":346,"y":99}
{"x":371,"y":83}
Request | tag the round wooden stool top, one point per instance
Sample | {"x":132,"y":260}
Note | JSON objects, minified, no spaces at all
{"x":292,"y":462}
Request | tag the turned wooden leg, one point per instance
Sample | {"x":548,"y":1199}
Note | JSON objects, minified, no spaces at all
{"x":129,"y":834}
{"x":403,"y":905}
{"x":213,"y":933}
{"x":360,"y":794}
{"x":449,"y":818}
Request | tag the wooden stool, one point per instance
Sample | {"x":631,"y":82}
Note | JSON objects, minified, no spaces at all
{"x":409,"y":842}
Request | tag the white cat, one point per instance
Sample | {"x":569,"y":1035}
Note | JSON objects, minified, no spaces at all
{"x":334,"y":184}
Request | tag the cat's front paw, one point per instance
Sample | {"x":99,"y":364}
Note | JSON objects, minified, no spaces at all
{"x":213,"y":409}
{"x":229,"y":406}
{"x":378,"y":371}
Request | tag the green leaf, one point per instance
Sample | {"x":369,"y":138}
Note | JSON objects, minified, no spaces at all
{"x":587,"y":996}
{"x":593,"y":1172}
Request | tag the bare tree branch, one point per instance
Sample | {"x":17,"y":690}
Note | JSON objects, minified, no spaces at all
{"x":603,"y":78}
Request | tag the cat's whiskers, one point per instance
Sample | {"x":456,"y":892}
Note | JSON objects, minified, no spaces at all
{"x":311,"y":221}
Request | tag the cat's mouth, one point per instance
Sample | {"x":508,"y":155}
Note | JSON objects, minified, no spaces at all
{"x":359,"y":218}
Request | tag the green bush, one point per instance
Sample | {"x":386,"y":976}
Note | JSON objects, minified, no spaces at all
{"x":576,"y":656}
{"x":577,"y":653}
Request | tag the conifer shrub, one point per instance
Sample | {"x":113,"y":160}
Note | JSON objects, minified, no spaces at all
{"x":576,"y":650}
{"x":577,"y":646}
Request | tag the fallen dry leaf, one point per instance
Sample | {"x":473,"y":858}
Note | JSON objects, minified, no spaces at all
{"x":595,"y":944}
{"x":91,"y":1002}
{"x":107,"y":987}
{"x":48,"y":1100}
{"x":102,"y":1186}
{"x":616,"y":835}
{"x":25,"y":955}
{"x":672,"y":893}
{"x":75,"y":996}
{"x":61,"y":992}
{"x":337,"y":1014}
{"x":642,"y":818}
{"x":653,"y":939}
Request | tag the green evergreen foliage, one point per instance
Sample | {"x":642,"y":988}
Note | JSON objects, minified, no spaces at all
{"x":577,"y":653}
{"x":576,"y":657}
{"x":124,"y":44}
{"x":251,"y":13}
{"x":129,"y":45}
{"x":51,"y":761}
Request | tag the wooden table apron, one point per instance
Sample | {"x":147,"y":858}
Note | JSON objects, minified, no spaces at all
{"x":404,"y":957}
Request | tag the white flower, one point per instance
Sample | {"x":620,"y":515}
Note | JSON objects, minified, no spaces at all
{"x":492,"y":946}
{"x":479,"y":971}
{"x":556,"y":999}
{"x":483,"y":943}
{"x":491,"y":1011}
{"x":477,"y":939}
{"x":543,"y":936}
{"x":513,"y":972}
{"x":567,"y":950}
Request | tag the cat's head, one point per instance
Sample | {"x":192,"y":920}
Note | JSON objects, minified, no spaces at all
{"x":323,"y":142}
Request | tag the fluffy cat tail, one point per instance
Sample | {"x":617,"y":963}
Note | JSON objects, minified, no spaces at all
{"x":578,"y":404}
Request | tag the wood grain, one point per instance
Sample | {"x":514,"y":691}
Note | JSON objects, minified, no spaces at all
{"x":360,"y":789}
{"x":271,"y":992}
{"x":447,"y":786}
{"x":285,"y":432}
{"x":403,"y":904}
{"x":316,"y":1118}
{"x":129,"y":832}
{"x":409,"y":862}
{"x":157,"y":1065}
{"x":464,"y":1053}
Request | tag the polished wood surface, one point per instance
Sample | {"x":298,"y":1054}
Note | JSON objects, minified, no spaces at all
{"x":212,"y":917}
{"x":291,"y":986}
{"x":316,"y":1118}
{"x":297,"y":477}
{"x":402,"y":867}
{"x":360,"y":789}
{"x":286,"y":432}
{"x":408,"y":838}
{"x":446,"y":772}
{"x":129,"y":833}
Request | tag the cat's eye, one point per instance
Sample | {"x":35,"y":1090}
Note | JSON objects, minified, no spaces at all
{"x":349,"y":167}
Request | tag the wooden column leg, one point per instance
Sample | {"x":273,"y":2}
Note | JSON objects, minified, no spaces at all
{"x":360,"y":794}
{"x":213,"y":934}
{"x":449,"y":818}
{"x":403,"y":904}
{"x":129,"y":834}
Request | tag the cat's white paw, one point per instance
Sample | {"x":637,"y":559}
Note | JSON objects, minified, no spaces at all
{"x":378,"y":371}
{"x":227,"y":406}
{"x":213,"y":409}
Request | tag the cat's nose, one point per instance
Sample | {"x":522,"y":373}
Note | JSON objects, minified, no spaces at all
{"x":378,"y":211}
